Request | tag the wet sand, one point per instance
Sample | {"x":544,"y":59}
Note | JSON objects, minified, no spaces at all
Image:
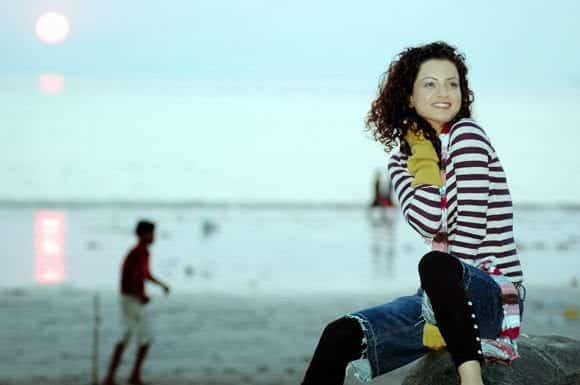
{"x":207,"y":337}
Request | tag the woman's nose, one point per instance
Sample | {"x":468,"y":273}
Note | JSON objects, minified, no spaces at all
{"x":443,"y":91}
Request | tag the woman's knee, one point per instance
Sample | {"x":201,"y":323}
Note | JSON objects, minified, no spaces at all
{"x":436,"y":264}
{"x":344,"y":330}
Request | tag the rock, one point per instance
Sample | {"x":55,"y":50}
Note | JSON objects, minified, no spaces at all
{"x":550,"y":360}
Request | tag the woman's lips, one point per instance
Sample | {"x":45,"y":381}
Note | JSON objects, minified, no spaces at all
{"x":444,"y":106}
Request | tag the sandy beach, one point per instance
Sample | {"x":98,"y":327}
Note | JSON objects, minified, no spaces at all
{"x":205,"y":337}
{"x":249,"y":300}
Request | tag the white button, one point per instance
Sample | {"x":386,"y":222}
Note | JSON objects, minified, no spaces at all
{"x":469,"y":303}
{"x":473,"y":316}
{"x":477,"y":339}
{"x":475,"y":326}
{"x":479,"y":351}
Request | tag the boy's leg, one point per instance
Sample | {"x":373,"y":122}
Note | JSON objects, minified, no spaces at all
{"x":135,"y":378}
{"x":116,"y":360}
{"x":143,"y":332}
{"x":128,"y":319}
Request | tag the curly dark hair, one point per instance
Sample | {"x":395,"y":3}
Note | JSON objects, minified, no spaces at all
{"x":391,"y":116}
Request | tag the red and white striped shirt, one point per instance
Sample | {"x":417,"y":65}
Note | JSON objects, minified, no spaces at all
{"x":479,"y":205}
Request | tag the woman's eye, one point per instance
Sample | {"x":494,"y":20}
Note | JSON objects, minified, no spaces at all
{"x":430,"y":84}
{"x":454,"y":84}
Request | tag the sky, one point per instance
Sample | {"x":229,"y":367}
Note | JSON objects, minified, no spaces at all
{"x":266,"y":100}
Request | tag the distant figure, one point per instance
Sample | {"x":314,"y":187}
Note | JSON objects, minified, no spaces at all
{"x":208,"y":228}
{"x":382,"y":197}
{"x":189,"y":271}
{"x":133,"y":300}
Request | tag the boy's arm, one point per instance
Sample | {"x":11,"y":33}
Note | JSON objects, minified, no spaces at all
{"x":159,"y":283}
{"x":156,"y":281}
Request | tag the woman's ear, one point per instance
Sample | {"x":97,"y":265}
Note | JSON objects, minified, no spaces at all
{"x":411,"y":104}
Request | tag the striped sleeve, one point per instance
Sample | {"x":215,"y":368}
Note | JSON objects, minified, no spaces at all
{"x":421,"y":205}
{"x":469,"y":153}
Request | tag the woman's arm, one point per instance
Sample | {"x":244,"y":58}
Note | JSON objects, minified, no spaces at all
{"x":416,"y":182}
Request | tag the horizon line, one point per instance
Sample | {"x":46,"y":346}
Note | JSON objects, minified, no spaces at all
{"x":249,"y":204}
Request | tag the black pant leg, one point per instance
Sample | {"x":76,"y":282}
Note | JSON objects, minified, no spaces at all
{"x":442,"y":279}
{"x":339,"y":344}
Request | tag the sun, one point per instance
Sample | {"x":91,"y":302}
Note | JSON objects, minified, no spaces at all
{"x":52,"y":27}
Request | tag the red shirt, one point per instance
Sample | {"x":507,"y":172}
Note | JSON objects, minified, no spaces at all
{"x":135,"y":271}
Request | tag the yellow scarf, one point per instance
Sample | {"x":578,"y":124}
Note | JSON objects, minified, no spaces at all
{"x":423,"y":163}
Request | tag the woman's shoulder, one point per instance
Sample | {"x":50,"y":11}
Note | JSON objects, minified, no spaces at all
{"x":396,"y":160}
{"x":466,"y":125}
{"x":467,"y":131}
{"x":397,"y":155}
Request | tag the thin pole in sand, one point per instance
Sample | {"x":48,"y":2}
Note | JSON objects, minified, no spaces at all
{"x":96,"y":326}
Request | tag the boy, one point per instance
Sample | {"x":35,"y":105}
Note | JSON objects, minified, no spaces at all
{"x":133,"y":300}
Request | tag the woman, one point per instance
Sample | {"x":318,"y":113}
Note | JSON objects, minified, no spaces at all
{"x":452,"y":190}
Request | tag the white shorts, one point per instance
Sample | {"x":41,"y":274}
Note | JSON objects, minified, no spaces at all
{"x":135,"y":320}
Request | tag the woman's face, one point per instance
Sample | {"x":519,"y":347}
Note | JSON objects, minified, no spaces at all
{"x":436,"y":92}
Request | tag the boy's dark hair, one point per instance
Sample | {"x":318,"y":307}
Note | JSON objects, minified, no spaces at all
{"x":144,"y":227}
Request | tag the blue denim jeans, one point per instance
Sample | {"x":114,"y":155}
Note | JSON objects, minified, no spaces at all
{"x":394,"y":331}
